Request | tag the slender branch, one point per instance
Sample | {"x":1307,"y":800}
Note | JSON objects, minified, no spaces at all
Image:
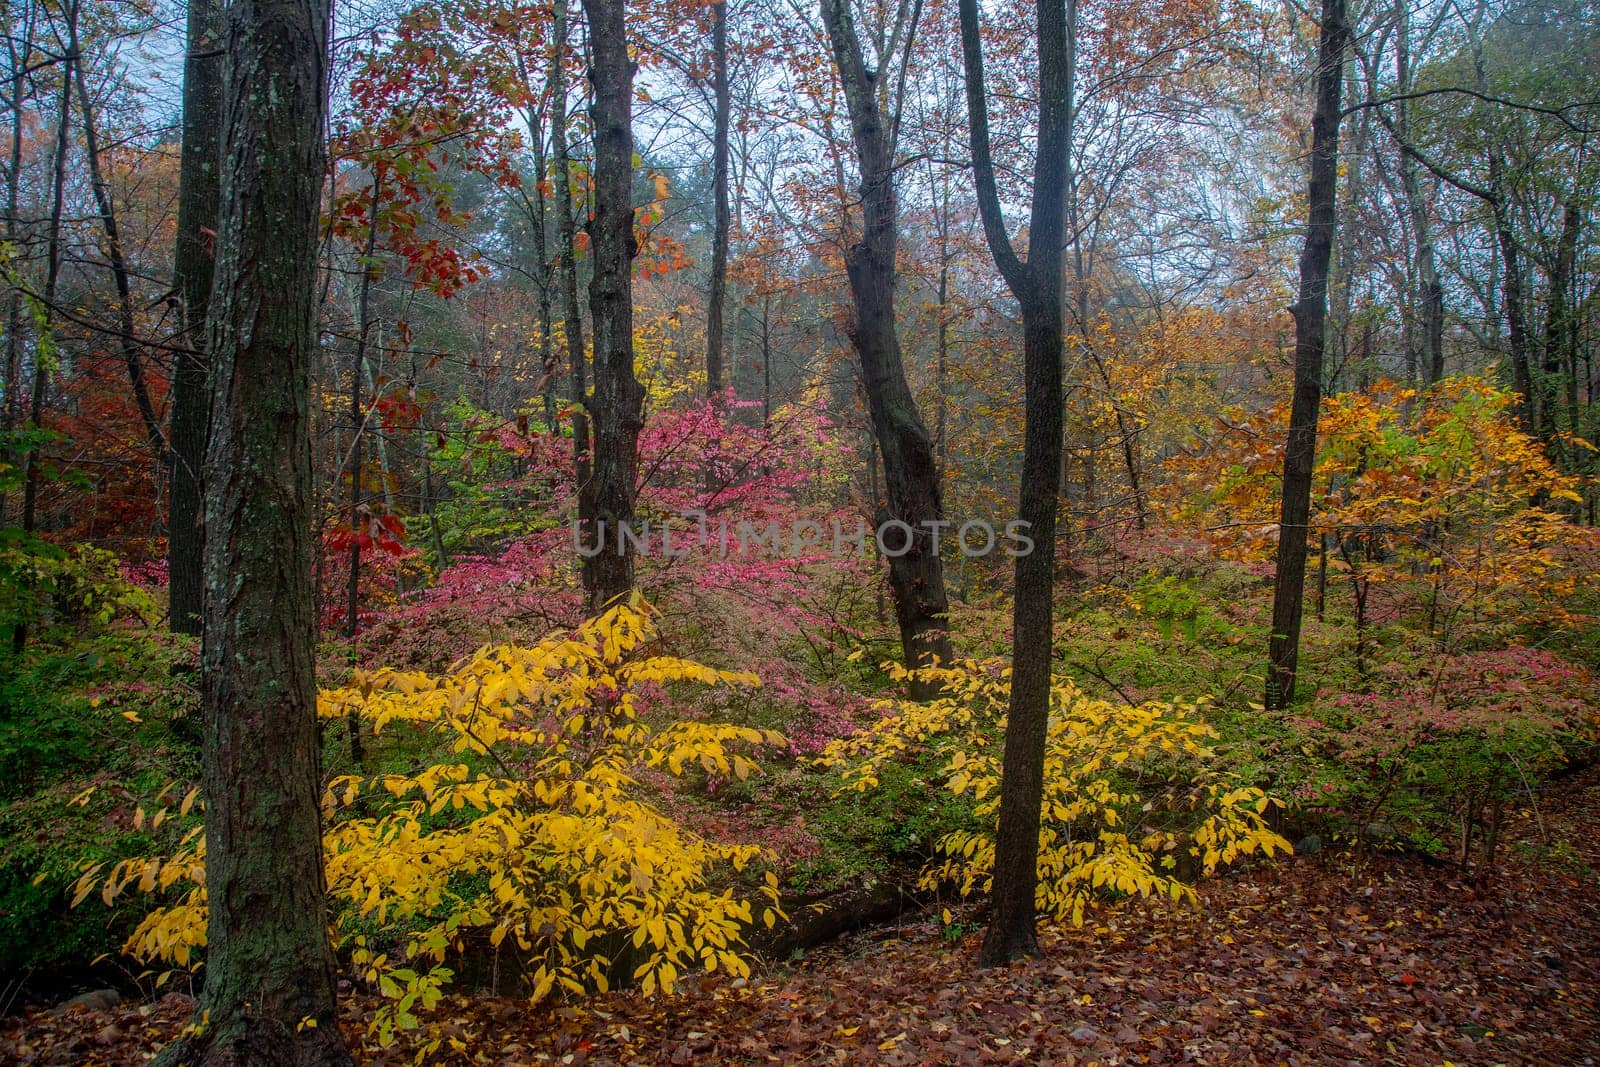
{"x":994,"y":227}
{"x":1557,"y":113}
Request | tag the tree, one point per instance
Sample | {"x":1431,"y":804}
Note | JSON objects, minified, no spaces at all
{"x":1427,"y":350}
{"x":53,"y":257}
{"x":566,"y":237}
{"x":19,"y":47}
{"x":1036,"y":283}
{"x":723,"y":101}
{"x":116,"y":260}
{"x":1310,"y":312}
{"x":911,"y":478}
{"x":358,"y":368}
{"x":269,"y":991}
{"x":1490,"y":101}
{"x":618,"y":404}
{"x":192,"y":266}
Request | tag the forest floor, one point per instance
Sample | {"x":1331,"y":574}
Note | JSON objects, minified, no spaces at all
{"x":1337,"y":958}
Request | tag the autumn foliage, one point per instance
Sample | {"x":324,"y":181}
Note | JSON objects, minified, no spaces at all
{"x":536,"y":840}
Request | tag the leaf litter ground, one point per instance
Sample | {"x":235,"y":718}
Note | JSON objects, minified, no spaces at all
{"x":1332,"y":959}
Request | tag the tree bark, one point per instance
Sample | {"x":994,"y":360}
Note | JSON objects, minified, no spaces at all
{"x":618,"y":406}
{"x":198,"y":188}
{"x":572,"y":315}
{"x":269,"y":994}
{"x":1037,"y":287}
{"x":1310,"y":319}
{"x":911,"y":476}
{"x":716,"y":297}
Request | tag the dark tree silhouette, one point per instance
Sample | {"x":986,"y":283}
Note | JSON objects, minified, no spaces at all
{"x":911,"y":478}
{"x":192,"y":267}
{"x":1036,"y":284}
{"x":617,"y":408}
{"x":1310,"y":318}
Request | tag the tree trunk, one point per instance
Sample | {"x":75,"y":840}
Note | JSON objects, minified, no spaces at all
{"x":269,"y":988}
{"x":1126,"y":434}
{"x":358,"y":366}
{"x":1512,"y":296}
{"x":12,"y":415}
{"x":131,"y":358}
{"x":572,"y":315}
{"x":543,"y":269}
{"x":44,"y":346}
{"x":618,"y":407}
{"x":1571,"y":359}
{"x":911,"y":478}
{"x":1037,"y":287}
{"x":192,"y":266}
{"x":1428,"y":353}
{"x":717,"y":295}
{"x":1557,"y":324}
{"x":1338,"y":359}
{"x":766,"y":360}
{"x":941,"y":417}
{"x":380,"y":443}
{"x":1310,"y":319}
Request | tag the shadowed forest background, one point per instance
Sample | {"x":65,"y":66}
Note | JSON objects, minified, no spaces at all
{"x":340,"y":343}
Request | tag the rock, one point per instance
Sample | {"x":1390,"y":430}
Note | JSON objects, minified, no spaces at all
{"x":1379,"y":833}
{"x":98,"y":1000}
{"x":1086,"y":1035}
{"x":1309,"y":845}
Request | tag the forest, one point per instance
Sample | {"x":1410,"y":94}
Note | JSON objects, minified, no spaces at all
{"x":800,"y":531}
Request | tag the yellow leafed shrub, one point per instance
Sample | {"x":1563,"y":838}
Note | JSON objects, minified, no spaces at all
{"x":1132,"y":799}
{"x":537,"y":837}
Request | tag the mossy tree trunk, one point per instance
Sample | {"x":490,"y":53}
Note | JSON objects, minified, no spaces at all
{"x":269,"y":978}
